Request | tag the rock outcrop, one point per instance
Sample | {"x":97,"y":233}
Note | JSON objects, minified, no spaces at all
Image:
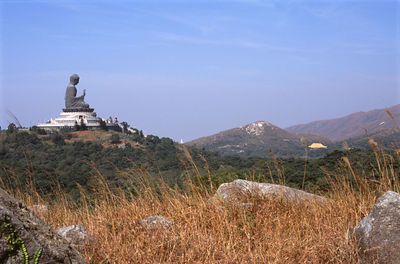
{"x":378,"y":234}
{"x":20,"y":225}
{"x":155,"y":222}
{"x":240,"y":192}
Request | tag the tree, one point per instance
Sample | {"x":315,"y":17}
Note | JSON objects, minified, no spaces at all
{"x":115,"y":139}
{"x":125,"y":126}
{"x":38,"y":130}
{"x":11,"y":128}
{"x":3,"y":149}
{"x":83,"y":125}
{"x":103,"y":125}
{"x":57,"y":139}
{"x":77,"y":127}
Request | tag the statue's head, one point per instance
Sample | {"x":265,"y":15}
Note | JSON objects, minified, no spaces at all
{"x":74,"y":79}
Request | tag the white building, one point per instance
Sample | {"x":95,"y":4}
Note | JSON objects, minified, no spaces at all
{"x":71,"y":118}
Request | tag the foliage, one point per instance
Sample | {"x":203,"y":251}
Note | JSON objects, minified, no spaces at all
{"x":57,"y":139}
{"x":387,"y":139}
{"x":39,"y":131}
{"x":11,"y":128}
{"x":115,"y":139}
{"x":103,"y":125}
{"x":16,"y":244}
{"x":50,"y":161}
{"x":81,"y":126}
{"x":125,"y":129}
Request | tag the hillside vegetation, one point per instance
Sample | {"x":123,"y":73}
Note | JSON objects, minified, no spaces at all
{"x":73,"y":161}
{"x":386,"y":138}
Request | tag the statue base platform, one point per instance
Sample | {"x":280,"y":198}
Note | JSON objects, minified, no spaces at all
{"x":73,"y":110}
{"x":72,"y":118}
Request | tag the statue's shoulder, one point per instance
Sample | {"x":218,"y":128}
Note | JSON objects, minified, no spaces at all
{"x":71,"y":87}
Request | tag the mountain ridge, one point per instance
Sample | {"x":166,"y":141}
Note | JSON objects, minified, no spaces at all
{"x":351,"y":125}
{"x":259,"y":137}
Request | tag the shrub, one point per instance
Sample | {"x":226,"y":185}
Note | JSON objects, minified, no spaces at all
{"x":115,"y":139}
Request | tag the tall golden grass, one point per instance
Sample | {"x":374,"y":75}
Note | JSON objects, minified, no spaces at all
{"x":272,"y":231}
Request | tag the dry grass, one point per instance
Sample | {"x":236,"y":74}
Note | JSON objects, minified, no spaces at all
{"x":272,"y":231}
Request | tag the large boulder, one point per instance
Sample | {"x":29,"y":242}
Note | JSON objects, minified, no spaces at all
{"x":378,"y":234}
{"x":21,"y":229}
{"x":241,"y":192}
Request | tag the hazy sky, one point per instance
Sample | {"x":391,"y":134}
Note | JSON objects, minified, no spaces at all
{"x":186,"y":69}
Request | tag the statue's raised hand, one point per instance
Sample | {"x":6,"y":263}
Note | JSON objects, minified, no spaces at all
{"x":84,"y":92}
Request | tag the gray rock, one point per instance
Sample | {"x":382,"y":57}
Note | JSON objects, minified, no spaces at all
{"x":239,"y":192}
{"x":122,"y":146}
{"x":155,"y":222}
{"x":76,"y":235}
{"x":378,"y":234}
{"x":35,"y":234}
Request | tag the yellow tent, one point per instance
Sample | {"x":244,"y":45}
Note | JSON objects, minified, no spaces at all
{"x":317,"y":146}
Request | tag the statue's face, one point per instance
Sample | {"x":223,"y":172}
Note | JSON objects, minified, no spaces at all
{"x":76,"y":81}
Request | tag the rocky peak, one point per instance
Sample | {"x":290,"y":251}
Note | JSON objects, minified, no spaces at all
{"x":257,"y":128}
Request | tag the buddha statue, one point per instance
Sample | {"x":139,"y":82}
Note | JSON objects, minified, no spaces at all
{"x":71,"y":100}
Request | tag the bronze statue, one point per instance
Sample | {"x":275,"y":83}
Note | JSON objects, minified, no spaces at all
{"x":71,"y":100}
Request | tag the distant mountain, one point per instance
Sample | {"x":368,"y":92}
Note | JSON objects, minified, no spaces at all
{"x":257,"y":138}
{"x":352,"y":125}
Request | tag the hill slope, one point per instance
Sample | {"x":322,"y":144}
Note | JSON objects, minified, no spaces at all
{"x":352,"y":125}
{"x":256,"y":139}
{"x":386,"y":138}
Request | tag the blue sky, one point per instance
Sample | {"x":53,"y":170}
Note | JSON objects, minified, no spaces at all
{"x":186,"y":69}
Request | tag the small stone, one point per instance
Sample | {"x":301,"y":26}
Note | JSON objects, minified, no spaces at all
{"x":155,"y":222}
{"x":76,"y":235}
{"x":39,"y":209}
